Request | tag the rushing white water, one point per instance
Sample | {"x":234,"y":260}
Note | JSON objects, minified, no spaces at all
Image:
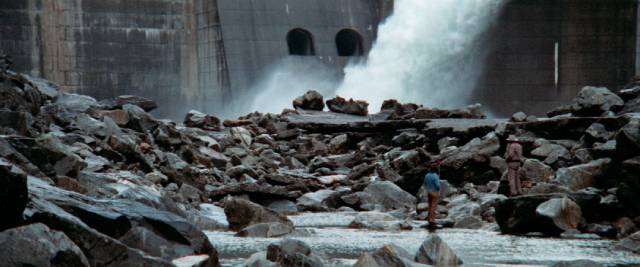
{"x":428,"y":52}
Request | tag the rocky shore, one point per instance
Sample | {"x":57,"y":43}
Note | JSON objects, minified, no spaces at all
{"x":104,"y":183}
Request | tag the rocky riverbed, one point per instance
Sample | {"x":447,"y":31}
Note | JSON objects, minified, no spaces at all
{"x":104,"y":183}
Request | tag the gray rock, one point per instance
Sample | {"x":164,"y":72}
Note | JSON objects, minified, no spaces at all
{"x":372,"y":220}
{"x":551,"y":153}
{"x":578,"y":263}
{"x":75,"y":102}
{"x":597,"y":131}
{"x":153,"y":244}
{"x":311,"y":100}
{"x":192,"y":261}
{"x":519,"y":117}
{"x":469,"y":222}
{"x":536,"y":171}
{"x":435,"y":251}
{"x":594,"y":101}
{"x":259,"y":259}
{"x":315,"y":201}
{"x":242,"y":213}
{"x":283,"y":206}
{"x":631,"y":243}
{"x":564,"y":213}
{"x":265,"y":230}
{"x":37,"y":245}
{"x":628,"y":139}
{"x":390,"y":196}
{"x":291,"y":252}
{"x":582,"y":176}
{"x":388,"y":255}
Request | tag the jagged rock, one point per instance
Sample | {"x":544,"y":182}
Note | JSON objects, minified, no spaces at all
{"x":536,"y":171}
{"x":200,"y":120}
{"x":291,"y":252}
{"x":13,"y":194}
{"x":241,"y":136}
{"x":597,"y":132}
{"x":631,"y":243}
{"x":551,"y":153}
{"x":266,"y":230}
{"x":594,"y":101}
{"x":602,"y":230}
{"x":242,"y":213}
{"x":311,"y":100}
{"x":253,"y":190}
{"x":471,"y":160}
{"x":628,"y":139}
{"x":37,"y":245}
{"x":117,"y":102}
{"x":435,"y":251}
{"x":564,"y":213}
{"x":469,"y":222}
{"x":153,"y":244}
{"x":354,"y":107}
{"x":582,"y":176}
{"x":76,"y":103}
{"x":189,"y":193}
{"x":317,"y":201}
{"x":389,"y":196}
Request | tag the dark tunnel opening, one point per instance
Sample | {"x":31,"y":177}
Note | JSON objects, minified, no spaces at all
{"x":349,"y":43}
{"x":300,"y":43}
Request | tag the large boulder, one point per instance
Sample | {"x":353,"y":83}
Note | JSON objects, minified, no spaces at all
{"x":630,"y":243}
{"x":564,"y":213}
{"x":13,"y":194}
{"x":372,"y":220}
{"x":582,"y":176}
{"x":242,"y":213}
{"x":470,"y":161}
{"x":594,"y":101}
{"x":154,"y":244}
{"x":37,"y":245}
{"x":390,"y":196}
{"x":518,"y":215}
{"x":434,"y":251}
{"x":117,"y":102}
{"x":311,"y":100}
{"x":354,"y":107}
{"x":537,"y":171}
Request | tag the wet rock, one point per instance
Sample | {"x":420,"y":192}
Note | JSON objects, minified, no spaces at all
{"x":536,"y":171}
{"x":594,"y":101}
{"x":372,"y":220}
{"x":469,"y":222}
{"x":434,"y":251}
{"x":192,"y":261}
{"x":200,"y":120}
{"x":265,"y":230}
{"x":38,"y":245}
{"x":317,"y":201}
{"x":353,"y":107}
{"x":242,"y":213}
{"x":582,"y":176}
{"x":388,"y":255}
{"x":631,"y":243}
{"x":259,"y":259}
{"x":602,"y":230}
{"x":283,"y":206}
{"x":578,"y":263}
{"x":311,"y":100}
{"x":389,"y":196}
{"x":564,"y":213}
{"x":13,"y":194}
{"x":291,"y":252}
{"x":625,"y":226}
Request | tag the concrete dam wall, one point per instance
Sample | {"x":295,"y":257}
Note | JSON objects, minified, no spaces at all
{"x":203,"y":54}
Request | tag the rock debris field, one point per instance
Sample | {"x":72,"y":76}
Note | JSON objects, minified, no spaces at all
{"x":104,"y":183}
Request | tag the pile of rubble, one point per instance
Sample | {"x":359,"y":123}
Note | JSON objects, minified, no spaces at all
{"x":107,"y":184}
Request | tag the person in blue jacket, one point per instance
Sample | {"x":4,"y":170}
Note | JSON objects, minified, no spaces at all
{"x":432,"y":186}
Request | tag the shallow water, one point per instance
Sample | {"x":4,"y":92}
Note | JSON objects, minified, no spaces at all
{"x":475,"y":247}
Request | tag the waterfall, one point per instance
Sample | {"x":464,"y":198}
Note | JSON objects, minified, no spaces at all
{"x":427,"y":52}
